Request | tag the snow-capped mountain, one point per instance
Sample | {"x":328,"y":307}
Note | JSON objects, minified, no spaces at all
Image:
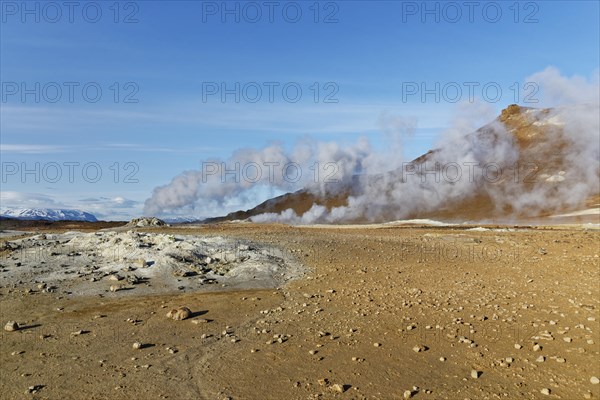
{"x":48,"y":214}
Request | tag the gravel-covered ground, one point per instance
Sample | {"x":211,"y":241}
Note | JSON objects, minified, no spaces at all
{"x":376,"y":313}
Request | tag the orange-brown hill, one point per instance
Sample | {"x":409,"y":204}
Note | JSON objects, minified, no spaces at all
{"x":542,"y":148}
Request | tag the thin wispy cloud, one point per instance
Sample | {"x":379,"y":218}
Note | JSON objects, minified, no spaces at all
{"x":34,"y":148}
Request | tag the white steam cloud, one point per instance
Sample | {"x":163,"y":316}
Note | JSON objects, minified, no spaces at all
{"x":494,"y":162}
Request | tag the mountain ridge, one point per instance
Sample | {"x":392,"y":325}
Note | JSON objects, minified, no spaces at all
{"x":48,"y":214}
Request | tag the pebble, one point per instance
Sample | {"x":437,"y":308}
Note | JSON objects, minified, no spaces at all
{"x":11,"y":326}
{"x":179,"y":314}
{"x":323,"y":381}
{"x":442,"y":359}
{"x":475,"y":374}
{"x":407,"y":394}
{"x":338,"y":388}
{"x":594,"y":380}
{"x":540,"y":359}
{"x":518,"y":346}
{"x":377,"y":344}
{"x":545,"y":391}
{"x":537,"y":347}
{"x":567,"y":339}
{"x":137,"y":345}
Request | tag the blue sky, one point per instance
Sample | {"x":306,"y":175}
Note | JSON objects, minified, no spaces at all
{"x":165,"y":55}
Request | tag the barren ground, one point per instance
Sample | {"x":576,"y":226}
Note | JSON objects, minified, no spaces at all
{"x":466,"y":297}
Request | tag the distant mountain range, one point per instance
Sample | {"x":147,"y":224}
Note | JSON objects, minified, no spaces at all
{"x":47,"y":214}
{"x":180,"y":220}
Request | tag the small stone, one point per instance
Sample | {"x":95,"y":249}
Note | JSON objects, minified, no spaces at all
{"x":34,"y":389}
{"x":442,"y":359}
{"x":509,"y":359}
{"x":475,"y":374}
{"x":518,"y":346}
{"x":338,"y":388}
{"x":594,"y":380}
{"x":567,"y":339}
{"x":408,"y":394}
{"x":137,"y":345}
{"x":179,"y":314}
{"x":537,"y":347}
{"x":419,"y":348}
{"x":11,"y":326}
{"x":545,"y":391}
{"x":377,"y":344}
{"x":540,"y":359}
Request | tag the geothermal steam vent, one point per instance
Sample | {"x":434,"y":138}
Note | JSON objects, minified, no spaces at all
{"x":132,"y":262}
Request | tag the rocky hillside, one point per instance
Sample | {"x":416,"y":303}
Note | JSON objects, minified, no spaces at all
{"x":528,"y":163}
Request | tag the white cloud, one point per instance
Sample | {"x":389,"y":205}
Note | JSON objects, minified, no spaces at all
{"x":33,"y":148}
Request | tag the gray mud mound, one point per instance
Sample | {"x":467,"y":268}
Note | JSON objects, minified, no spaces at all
{"x":145,"y":221}
{"x":130,"y":262}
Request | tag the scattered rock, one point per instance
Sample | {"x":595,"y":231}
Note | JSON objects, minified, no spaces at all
{"x":420,"y":348}
{"x":545,"y":391}
{"x":11,"y":326}
{"x":475,"y":374}
{"x":200,"y":321}
{"x":34,"y":389}
{"x":594,"y":380}
{"x":338,"y":388}
{"x":138,"y":345}
{"x":179,"y":314}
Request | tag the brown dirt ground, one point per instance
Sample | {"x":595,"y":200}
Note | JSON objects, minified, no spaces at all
{"x":364,"y":286}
